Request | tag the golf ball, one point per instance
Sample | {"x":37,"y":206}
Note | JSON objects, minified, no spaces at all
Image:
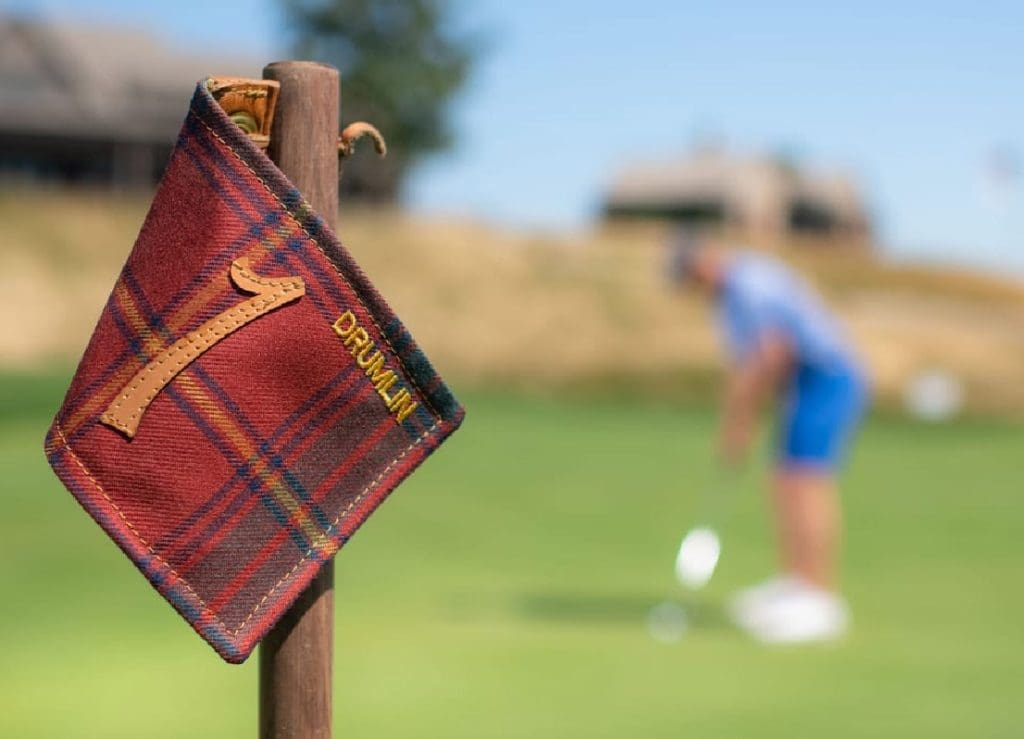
{"x":667,"y":622}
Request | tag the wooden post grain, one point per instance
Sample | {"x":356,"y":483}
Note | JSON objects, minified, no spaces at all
{"x":295,"y":657}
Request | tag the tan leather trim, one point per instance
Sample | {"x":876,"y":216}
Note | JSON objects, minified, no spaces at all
{"x":125,"y":412}
{"x":249,"y":103}
{"x":353,"y":132}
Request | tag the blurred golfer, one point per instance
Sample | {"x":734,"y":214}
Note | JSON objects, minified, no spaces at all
{"x":785,"y":345}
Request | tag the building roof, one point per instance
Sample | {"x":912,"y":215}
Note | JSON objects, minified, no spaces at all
{"x":740,"y":184}
{"x":103,"y":82}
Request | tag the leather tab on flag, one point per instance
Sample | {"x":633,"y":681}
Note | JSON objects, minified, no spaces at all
{"x":247,"y":399}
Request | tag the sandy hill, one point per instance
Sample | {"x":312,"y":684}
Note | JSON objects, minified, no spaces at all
{"x":566,"y":314}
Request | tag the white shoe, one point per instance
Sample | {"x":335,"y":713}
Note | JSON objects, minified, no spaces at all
{"x":793,"y":612}
{"x":746,"y":603}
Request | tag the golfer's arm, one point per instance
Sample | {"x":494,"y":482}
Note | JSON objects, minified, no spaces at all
{"x":740,"y":401}
{"x":747,"y":385}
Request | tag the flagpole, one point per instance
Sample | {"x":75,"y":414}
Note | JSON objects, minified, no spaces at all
{"x":295,"y":657}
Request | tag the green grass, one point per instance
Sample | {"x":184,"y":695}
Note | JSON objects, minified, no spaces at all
{"x":502,"y":593}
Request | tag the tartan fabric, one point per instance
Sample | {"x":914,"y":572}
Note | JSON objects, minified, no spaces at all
{"x":262,"y":457}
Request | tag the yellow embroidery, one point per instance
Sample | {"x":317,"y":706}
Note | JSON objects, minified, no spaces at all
{"x":370,"y":359}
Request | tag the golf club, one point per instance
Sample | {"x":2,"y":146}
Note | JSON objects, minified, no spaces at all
{"x":701,"y":546}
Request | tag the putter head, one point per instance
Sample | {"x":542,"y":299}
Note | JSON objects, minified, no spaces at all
{"x":697,"y":558}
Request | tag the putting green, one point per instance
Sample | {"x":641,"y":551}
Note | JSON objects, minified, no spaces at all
{"x":503,"y":591}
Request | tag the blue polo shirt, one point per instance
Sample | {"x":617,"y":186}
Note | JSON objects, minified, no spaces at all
{"x":760,"y":296}
{"x":827,"y":392}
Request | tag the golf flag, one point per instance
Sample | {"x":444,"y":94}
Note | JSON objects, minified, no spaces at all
{"x":247,"y":398}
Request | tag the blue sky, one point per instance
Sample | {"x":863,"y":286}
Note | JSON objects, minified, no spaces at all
{"x":913,"y":97}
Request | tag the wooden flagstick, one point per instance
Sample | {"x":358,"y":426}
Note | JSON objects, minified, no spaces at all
{"x":295,"y":657}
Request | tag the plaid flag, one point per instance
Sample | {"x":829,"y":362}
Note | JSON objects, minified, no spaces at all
{"x":247,"y":398}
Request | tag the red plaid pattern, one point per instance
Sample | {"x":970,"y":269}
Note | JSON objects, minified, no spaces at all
{"x":263,"y":455}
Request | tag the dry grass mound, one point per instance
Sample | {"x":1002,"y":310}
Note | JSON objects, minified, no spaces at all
{"x":543,"y":313}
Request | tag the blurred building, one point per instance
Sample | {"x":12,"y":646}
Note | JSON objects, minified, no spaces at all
{"x":94,"y":104}
{"x":759,"y":199}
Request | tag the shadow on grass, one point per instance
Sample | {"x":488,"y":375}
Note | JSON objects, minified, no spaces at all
{"x":624,"y":609}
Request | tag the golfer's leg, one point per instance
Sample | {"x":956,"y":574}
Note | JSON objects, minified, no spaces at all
{"x":819,"y":424}
{"x":809,"y":522}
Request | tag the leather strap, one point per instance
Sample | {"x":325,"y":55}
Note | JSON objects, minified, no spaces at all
{"x":126,"y":410}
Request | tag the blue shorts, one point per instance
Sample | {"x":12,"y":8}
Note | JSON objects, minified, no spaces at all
{"x":821,"y":414}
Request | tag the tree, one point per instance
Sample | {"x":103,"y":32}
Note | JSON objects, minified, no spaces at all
{"x":401,"y":64}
